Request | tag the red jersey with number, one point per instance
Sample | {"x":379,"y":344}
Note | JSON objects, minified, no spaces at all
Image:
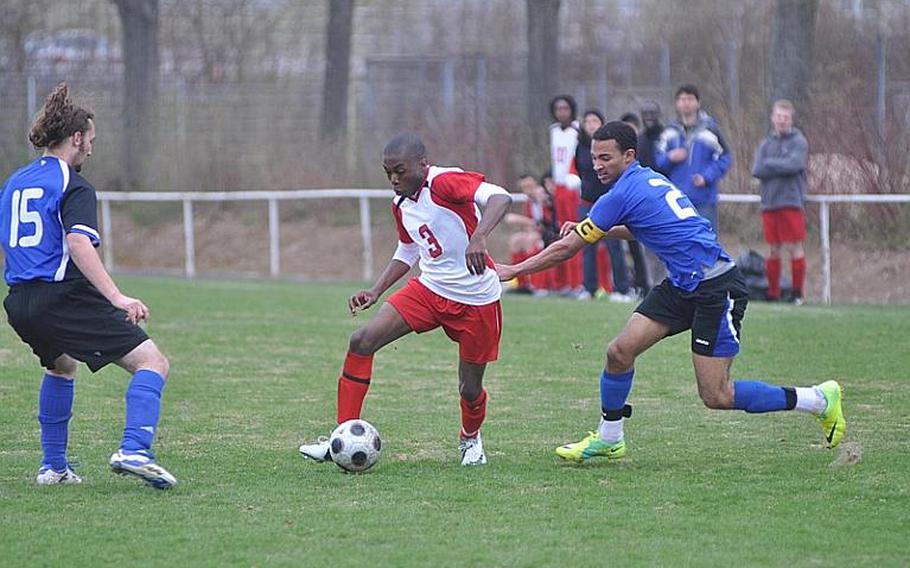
{"x":439,"y":221}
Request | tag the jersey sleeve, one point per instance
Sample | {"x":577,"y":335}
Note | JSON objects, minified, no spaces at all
{"x":486,"y":190}
{"x":606,"y":213}
{"x":79,"y":211}
{"x":457,"y":187}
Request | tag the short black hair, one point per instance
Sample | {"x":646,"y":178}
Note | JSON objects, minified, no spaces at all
{"x":528,"y":175}
{"x":687,"y":89}
{"x":622,"y":133}
{"x":631,"y":118}
{"x":406,"y":144}
{"x":569,"y":99}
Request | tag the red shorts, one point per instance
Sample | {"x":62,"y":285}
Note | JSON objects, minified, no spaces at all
{"x":786,"y":225}
{"x":476,"y":329}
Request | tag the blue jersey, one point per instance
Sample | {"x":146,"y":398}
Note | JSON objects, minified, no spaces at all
{"x":663,"y":219}
{"x":39,"y":205}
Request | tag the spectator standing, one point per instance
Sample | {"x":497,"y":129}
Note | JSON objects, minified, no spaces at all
{"x":693,"y":154}
{"x":780,"y":165}
{"x":563,"y":142}
{"x":642,"y":281}
{"x":591,"y":190}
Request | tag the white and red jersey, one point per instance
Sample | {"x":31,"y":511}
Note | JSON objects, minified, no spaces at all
{"x":563,"y":142}
{"x":435,"y":225}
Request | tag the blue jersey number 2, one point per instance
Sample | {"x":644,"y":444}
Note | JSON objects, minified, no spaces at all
{"x":672,"y":197}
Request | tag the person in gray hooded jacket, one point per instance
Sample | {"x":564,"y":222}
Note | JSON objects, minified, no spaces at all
{"x":781,"y":164}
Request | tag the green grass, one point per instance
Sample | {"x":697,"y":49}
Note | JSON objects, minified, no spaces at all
{"x":254,"y":368}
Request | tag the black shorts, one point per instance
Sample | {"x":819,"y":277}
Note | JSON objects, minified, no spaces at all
{"x":713,"y":311}
{"x":72,"y":318}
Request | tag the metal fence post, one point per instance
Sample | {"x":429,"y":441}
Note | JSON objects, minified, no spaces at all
{"x":107,"y":239}
{"x":274,"y":242}
{"x":366,"y":233}
{"x":824,"y":233}
{"x":188,"y":240}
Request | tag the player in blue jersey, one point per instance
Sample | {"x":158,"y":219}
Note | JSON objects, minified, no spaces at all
{"x":704,"y":292}
{"x":63,"y":303}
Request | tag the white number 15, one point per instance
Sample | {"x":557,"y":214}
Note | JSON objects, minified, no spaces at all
{"x":20,"y":215}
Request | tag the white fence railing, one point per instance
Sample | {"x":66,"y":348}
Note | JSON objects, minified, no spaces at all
{"x":364,"y":195}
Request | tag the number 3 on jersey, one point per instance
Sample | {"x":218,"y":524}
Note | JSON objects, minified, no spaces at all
{"x":672,"y":197}
{"x":20,"y":215}
{"x":435,"y":249}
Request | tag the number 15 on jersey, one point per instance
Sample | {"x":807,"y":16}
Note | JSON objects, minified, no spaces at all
{"x":20,"y":216}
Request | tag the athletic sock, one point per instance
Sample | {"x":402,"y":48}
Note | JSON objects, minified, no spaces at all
{"x":614,"y":390}
{"x":143,"y":407}
{"x":353,"y":385}
{"x":757,"y":397}
{"x":55,"y":408}
{"x":772,"y":267}
{"x":472,"y":414}
{"x":798,"y":271}
{"x":810,"y":399}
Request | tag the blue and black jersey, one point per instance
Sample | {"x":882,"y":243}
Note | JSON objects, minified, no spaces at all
{"x":39,"y":205}
{"x":660,"y":216}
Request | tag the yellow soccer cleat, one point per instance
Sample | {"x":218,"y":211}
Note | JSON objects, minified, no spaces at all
{"x":590,"y":447}
{"x":832,"y":419}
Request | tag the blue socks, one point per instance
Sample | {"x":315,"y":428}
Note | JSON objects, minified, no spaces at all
{"x":55,"y":408}
{"x":143,"y":405}
{"x":614,"y":390}
{"x":757,"y":397}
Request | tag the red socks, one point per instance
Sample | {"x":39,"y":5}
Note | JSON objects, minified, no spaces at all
{"x":472,"y":414}
{"x":798,"y":267}
{"x":353,"y":385}
{"x":772,"y":267}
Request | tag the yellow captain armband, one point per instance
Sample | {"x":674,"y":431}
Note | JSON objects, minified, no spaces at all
{"x":588,"y":231}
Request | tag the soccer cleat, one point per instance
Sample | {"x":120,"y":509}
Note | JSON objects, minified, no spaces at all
{"x":47,"y":476}
{"x":318,"y":452}
{"x":590,"y":447}
{"x":832,"y":419}
{"x":142,"y":465}
{"x":472,"y":451}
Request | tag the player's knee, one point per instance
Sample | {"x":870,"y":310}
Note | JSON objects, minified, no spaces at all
{"x":361,"y":343}
{"x":157,"y":362}
{"x":619,"y":356}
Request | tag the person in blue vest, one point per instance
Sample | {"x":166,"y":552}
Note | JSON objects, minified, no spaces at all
{"x":64,"y":304}
{"x":693,"y":154}
{"x":704,"y":291}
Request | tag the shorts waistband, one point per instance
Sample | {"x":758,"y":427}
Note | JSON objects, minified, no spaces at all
{"x":720,"y":268}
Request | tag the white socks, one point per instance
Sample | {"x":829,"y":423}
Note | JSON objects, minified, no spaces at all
{"x":610,"y":430}
{"x":810,"y":399}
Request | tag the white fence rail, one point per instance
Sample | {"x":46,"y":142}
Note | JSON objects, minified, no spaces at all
{"x":364,"y":195}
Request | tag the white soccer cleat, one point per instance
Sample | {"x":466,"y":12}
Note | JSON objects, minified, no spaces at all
{"x":472,"y":451}
{"x":47,"y":476}
{"x":143,"y":466}
{"x":318,"y":452}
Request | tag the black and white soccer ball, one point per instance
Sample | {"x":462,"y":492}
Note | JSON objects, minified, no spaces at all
{"x":355,"y":445}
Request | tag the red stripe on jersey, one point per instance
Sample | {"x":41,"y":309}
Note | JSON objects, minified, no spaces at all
{"x":455,"y":191}
{"x":403,"y":235}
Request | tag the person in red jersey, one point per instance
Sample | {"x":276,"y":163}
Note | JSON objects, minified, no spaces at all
{"x":438,"y":215}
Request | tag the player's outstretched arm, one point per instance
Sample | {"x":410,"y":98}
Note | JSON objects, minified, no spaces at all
{"x":558,"y":252}
{"x":87,"y":260}
{"x":476,"y":253}
{"x":392,"y":274}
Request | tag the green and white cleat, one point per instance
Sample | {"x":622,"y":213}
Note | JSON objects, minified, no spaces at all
{"x":832,"y":419}
{"x":591,"y":446}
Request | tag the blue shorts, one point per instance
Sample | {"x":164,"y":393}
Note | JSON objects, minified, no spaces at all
{"x":714,"y":312}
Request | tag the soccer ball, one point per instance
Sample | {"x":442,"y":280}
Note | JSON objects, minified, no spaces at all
{"x":355,"y":445}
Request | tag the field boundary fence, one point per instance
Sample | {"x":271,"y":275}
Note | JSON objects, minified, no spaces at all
{"x":363,"y":196}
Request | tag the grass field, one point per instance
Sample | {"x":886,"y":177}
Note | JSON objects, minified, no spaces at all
{"x":254,"y":367}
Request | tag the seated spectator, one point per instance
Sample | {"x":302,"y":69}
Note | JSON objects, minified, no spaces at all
{"x":536,"y":228}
